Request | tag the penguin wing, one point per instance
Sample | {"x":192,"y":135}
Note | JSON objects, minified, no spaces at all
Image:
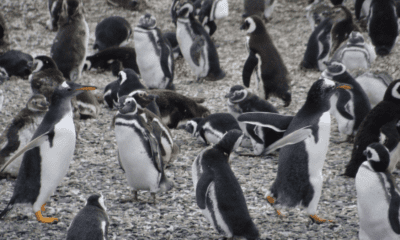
{"x":342,"y":104}
{"x":357,"y":8}
{"x":196,"y":49}
{"x":276,"y":122}
{"x":201,"y":189}
{"x":324,"y":38}
{"x":292,"y":138}
{"x":248,"y":68}
{"x":32,"y":144}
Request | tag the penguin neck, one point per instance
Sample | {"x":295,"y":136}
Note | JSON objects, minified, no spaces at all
{"x":60,"y":104}
{"x":316,"y":104}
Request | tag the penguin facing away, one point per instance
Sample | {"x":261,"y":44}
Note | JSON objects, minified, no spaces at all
{"x":271,"y":71}
{"x":112,"y":31}
{"x":374,"y":85}
{"x":91,"y":222}
{"x":369,"y":131}
{"x":218,"y":193}
{"x":48,"y":154}
{"x":378,"y":197}
{"x":54,"y":7}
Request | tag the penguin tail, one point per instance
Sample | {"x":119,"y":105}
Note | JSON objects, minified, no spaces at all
{"x":166,"y":184}
{"x":6,"y":210}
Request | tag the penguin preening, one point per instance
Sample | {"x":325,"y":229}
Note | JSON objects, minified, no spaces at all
{"x":69,"y":48}
{"x":374,"y":85}
{"x":378,"y":197}
{"x":54,"y":7}
{"x":265,"y":60}
{"x":154,"y":54}
{"x":369,"y":131}
{"x":20,"y":131}
{"x":47,"y":156}
{"x":16,"y":63}
{"x":91,"y":222}
{"x":218,"y":192}
{"x":139,"y":150}
{"x":112,"y":32}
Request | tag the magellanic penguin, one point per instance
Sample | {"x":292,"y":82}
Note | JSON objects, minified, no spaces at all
{"x":212,"y":128}
{"x":196,"y":46}
{"x":47,"y":156}
{"x":303,"y":151}
{"x":378,"y":197}
{"x":383,"y":26}
{"x":91,"y":222}
{"x":16,"y":63}
{"x":139,"y":150}
{"x":317,"y":12}
{"x":348,"y":106}
{"x":154,"y":54}
{"x":218,"y":192}
{"x":20,"y":131}
{"x":390,"y":138}
{"x":54,"y":7}
{"x":112,"y":32}
{"x":69,"y":48}
{"x":355,"y":53}
{"x":4,"y":36}
{"x":265,"y":60}
{"x":369,"y":131}
{"x":374,"y":85}
{"x":211,"y":10}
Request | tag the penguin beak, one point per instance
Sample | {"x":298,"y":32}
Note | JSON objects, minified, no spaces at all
{"x":228,"y":95}
{"x":86,"y":88}
{"x":343,"y":86}
{"x":244,"y":26}
{"x":365,"y":153}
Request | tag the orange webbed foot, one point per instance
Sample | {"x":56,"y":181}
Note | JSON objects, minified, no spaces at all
{"x":271,"y":201}
{"x":42,"y":219}
{"x":42,"y":208}
{"x":318,"y":220}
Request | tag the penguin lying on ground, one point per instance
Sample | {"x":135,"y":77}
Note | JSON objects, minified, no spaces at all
{"x":218,"y":192}
{"x":374,"y":85}
{"x":139,"y":151}
{"x":378,"y":197}
{"x":112,"y":32}
{"x":47,"y":156}
{"x":54,"y":7}
{"x":211,"y":10}
{"x":91,"y":222}
{"x":4,"y":38}
{"x":369,"y":131}
{"x":16,"y":63}
{"x":265,"y":60}
{"x":20,"y":131}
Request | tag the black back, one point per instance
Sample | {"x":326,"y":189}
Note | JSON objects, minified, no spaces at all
{"x":111,"y":31}
{"x":16,"y":63}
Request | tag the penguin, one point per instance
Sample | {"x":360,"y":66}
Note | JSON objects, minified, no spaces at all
{"x":16,"y":63}
{"x":171,"y":38}
{"x":374,"y":85}
{"x":299,"y":178}
{"x":139,"y":151}
{"x":350,"y":106}
{"x":271,"y":72}
{"x":362,"y":8}
{"x":4,"y":36}
{"x":355,"y":53}
{"x":317,"y":12}
{"x":54,"y":7}
{"x":112,"y":58}
{"x":91,"y":222}
{"x":383,"y":26}
{"x":384,"y":112}
{"x":211,"y":10}
{"x":154,"y":54}
{"x":88,"y":106}
{"x":378,"y":197}
{"x":47,"y":156}
{"x":110,"y":94}
{"x":175,"y":107}
{"x":112,"y":32}
{"x":212,"y":128}
{"x":390,"y":138}
{"x":133,"y":5}
{"x":69,"y":47}
{"x":196,"y":46}
{"x":19,"y":132}
{"x":218,"y":192}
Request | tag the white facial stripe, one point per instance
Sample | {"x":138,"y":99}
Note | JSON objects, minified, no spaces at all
{"x":245,"y":93}
{"x":194,"y":125}
{"x":101,"y":201}
{"x":375,"y":156}
{"x":39,"y":65}
{"x":123,"y":77}
{"x":395,"y":92}
{"x":252,"y":24}
{"x":65,"y":84}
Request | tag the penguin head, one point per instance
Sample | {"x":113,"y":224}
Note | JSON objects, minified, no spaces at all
{"x":127,"y":105}
{"x":237,"y":93}
{"x":184,"y":10}
{"x":392,"y":93}
{"x":378,"y":156}
{"x":127,"y":75}
{"x":38,"y":103}
{"x":96,"y":200}
{"x":230,"y":141}
{"x":67,"y":90}
{"x":143,"y":99}
{"x":355,"y":38}
{"x":147,"y":21}
{"x":43,"y":62}
{"x":333,"y":70}
{"x":253,"y":25}
{"x":322,"y":90}
{"x":191,"y":125}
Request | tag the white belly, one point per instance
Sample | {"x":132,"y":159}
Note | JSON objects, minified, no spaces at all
{"x":355,"y":59}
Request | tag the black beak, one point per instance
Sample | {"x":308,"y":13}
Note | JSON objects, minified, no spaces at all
{"x":242,"y":27}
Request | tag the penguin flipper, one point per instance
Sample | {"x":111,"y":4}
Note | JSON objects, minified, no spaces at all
{"x":357,"y":8}
{"x":292,"y":138}
{"x":196,"y":50}
{"x":248,"y":68}
{"x":342,"y":102}
{"x":32,"y":144}
{"x":201,"y":189}
{"x":274,"y":121}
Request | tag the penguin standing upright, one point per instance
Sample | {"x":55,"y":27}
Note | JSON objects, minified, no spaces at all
{"x":378,"y":197}
{"x":139,"y":151}
{"x":196,"y":45}
{"x":47,"y":156}
{"x":218,"y":192}
{"x":369,"y":131}
{"x":154,"y":54}
{"x":112,"y":32}
{"x":54,"y":7}
{"x":91,"y":222}
{"x":69,"y":48}
{"x":271,"y":72}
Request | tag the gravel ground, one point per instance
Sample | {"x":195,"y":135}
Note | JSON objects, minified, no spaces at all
{"x":95,"y":167}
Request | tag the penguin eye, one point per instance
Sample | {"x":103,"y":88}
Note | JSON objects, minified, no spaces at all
{"x":141,"y":94}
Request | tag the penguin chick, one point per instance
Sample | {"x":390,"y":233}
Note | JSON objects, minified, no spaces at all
{"x":4,"y":36}
{"x":19,"y":132}
{"x":69,"y":47}
{"x":218,"y":193}
{"x":378,"y":197}
{"x":271,"y":72}
{"x":139,"y":150}
{"x":16,"y":63}
{"x":317,"y":12}
{"x":112,"y":32}
{"x":386,"y":111}
{"x":47,"y":156}
{"x":54,"y":7}
{"x":91,"y":222}
{"x":374,"y":85}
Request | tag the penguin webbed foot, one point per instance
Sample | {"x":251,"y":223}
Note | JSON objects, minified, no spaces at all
{"x":271,"y":202}
{"x":42,"y":219}
{"x":315,"y":219}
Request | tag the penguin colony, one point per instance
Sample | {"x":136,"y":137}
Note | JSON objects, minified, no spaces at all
{"x":147,"y":150}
